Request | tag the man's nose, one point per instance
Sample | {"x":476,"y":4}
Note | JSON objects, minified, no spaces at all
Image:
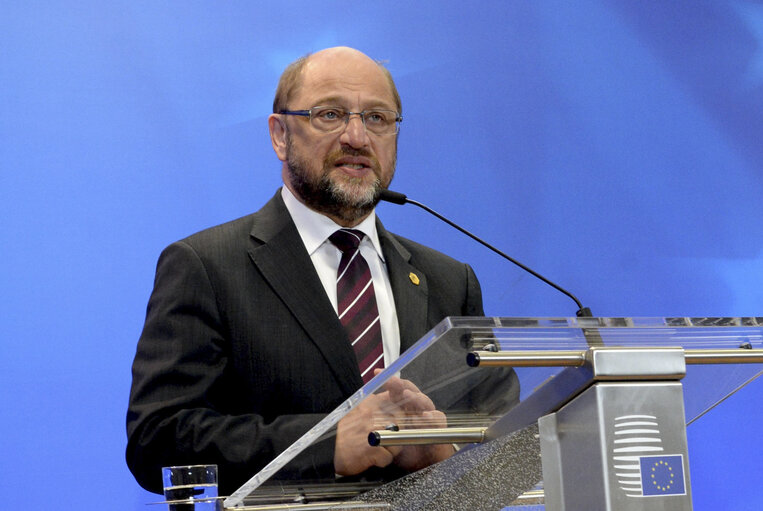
{"x":355,"y":134}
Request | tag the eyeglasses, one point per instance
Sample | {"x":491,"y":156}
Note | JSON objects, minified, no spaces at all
{"x":333,"y":118}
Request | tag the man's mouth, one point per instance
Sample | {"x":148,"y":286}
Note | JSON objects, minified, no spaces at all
{"x":354,"y":165}
{"x":353,"y":162}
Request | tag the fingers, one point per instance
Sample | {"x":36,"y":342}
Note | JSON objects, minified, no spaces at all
{"x":416,"y":457}
{"x":397,"y":385}
{"x":384,"y":456}
{"x":411,"y":403}
{"x":435,"y":419}
{"x":402,"y":404}
{"x":352,"y":453}
{"x":416,"y":402}
{"x":407,"y":396}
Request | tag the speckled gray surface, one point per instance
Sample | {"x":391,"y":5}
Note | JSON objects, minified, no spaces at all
{"x":488,"y":477}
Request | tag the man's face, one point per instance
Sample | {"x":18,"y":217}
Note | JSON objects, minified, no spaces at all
{"x":339,"y":174}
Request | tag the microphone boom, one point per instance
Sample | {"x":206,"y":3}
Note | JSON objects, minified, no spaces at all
{"x":400,"y":198}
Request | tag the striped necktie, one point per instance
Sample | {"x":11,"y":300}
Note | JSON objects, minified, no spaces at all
{"x":356,"y":303}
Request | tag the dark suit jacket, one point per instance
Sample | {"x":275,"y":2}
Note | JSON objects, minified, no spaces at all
{"x":242,"y":352}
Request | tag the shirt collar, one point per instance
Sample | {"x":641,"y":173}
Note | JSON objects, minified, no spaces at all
{"x":315,"y":228}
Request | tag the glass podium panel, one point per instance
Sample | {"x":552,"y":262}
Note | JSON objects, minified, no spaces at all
{"x":431,"y":388}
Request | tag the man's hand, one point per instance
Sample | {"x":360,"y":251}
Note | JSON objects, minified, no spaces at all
{"x":400,"y":403}
{"x":420,"y":412}
{"x":352,"y":453}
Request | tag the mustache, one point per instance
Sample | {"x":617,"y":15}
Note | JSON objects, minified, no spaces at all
{"x":332,"y":157}
{"x":351,"y":151}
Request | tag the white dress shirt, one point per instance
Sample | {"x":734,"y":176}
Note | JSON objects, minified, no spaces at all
{"x":315,"y":229}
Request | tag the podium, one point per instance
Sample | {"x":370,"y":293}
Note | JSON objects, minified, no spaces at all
{"x":533,"y":413}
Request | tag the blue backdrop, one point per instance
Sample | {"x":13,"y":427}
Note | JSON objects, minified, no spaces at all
{"x":613,"y":145}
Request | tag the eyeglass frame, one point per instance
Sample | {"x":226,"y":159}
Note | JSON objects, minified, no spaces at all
{"x":362,"y":115}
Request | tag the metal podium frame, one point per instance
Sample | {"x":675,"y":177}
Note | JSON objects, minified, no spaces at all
{"x":609,"y":407}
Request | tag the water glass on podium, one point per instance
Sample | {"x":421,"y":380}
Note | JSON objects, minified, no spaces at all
{"x":191,"y":488}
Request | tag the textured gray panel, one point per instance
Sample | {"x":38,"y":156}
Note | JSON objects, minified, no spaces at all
{"x":485,"y":478}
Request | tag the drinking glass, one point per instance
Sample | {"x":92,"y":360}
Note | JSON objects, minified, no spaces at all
{"x":191,"y":488}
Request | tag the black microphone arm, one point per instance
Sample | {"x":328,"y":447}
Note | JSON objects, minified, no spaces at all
{"x":399,"y":198}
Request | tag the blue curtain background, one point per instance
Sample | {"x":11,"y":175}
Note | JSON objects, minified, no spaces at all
{"x":613,"y":145}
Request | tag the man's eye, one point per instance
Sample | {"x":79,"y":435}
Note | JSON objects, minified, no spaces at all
{"x":378,"y":117}
{"x":329,"y":115}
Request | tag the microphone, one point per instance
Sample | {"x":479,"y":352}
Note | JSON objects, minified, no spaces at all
{"x":399,"y":198}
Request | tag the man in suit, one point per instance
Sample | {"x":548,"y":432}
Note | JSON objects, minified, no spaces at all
{"x":243,"y":349}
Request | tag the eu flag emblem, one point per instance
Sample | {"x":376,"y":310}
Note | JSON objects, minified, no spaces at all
{"x":662,"y":475}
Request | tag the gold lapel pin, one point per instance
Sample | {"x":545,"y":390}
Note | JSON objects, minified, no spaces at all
{"x":414,"y":278}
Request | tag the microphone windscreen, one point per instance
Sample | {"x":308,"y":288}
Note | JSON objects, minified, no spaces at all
{"x":394,"y":197}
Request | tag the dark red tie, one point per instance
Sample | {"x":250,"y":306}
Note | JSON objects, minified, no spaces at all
{"x":356,"y":303}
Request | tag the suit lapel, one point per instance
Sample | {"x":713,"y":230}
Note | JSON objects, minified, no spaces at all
{"x":409,"y":288}
{"x":279,"y":254}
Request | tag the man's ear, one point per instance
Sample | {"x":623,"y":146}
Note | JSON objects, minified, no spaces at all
{"x":278,"y":135}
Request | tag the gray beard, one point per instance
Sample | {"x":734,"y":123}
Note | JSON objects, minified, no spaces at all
{"x":332,"y":198}
{"x":329,"y":198}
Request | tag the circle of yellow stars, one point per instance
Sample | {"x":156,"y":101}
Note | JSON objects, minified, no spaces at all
{"x":669,"y":474}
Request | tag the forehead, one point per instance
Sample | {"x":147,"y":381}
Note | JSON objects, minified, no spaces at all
{"x":354,"y":81}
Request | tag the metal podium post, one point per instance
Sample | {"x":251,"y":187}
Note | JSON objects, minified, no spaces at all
{"x":623,"y":439}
